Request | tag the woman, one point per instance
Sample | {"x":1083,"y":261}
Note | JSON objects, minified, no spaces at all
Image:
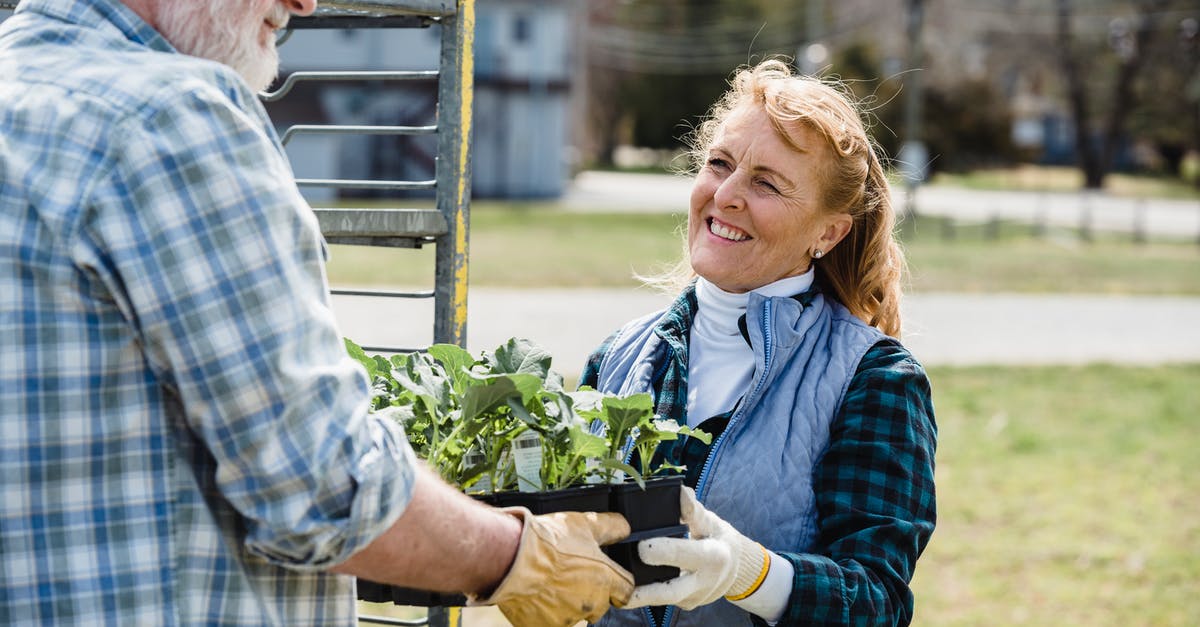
{"x":816,"y":496}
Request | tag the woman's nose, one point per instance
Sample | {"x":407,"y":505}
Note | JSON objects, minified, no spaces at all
{"x":730,"y":194}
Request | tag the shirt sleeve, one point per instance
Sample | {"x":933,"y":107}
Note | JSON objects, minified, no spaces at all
{"x":218,"y":264}
{"x":875,"y":499}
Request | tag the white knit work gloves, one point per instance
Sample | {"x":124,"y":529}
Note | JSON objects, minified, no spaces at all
{"x":716,"y":561}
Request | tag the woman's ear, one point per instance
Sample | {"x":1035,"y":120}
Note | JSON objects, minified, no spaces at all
{"x":837,"y":226}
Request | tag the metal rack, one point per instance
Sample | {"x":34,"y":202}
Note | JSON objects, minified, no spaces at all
{"x":445,"y":227}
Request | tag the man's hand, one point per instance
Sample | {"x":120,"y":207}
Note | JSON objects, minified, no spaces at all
{"x":716,"y":561}
{"x":560,"y":576}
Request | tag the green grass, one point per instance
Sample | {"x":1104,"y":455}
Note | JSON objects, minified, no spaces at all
{"x":1067,"y":496}
{"x":518,"y":245}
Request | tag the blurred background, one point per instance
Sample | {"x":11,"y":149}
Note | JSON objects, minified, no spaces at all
{"x":1045,"y":155}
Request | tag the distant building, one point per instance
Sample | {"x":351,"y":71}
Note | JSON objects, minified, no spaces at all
{"x":523,"y":61}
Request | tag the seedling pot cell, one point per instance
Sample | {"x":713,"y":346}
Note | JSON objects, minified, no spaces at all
{"x":372,"y":592}
{"x":424,"y":598}
{"x":625,"y":553}
{"x":655,"y":507}
{"x":588,"y":498}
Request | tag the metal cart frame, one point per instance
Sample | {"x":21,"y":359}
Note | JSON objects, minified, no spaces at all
{"x":447,"y":226}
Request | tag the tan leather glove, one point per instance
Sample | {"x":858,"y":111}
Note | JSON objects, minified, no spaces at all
{"x":560,"y":576}
{"x":716,"y":561}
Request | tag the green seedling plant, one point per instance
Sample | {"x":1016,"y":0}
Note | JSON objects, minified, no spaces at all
{"x":462,"y":413}
{"x":630,"y":426}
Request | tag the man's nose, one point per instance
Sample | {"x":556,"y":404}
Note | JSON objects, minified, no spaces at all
{"x":301,"y":7}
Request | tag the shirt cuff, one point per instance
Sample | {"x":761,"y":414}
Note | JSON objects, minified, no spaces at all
{"x":771,"y":599}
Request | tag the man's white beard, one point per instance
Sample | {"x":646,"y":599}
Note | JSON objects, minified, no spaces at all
{"x":221,"y":30}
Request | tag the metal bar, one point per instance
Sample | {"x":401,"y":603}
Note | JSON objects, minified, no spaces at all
{"x":327,"y":21}
{"x":365,"y":184}
{"x":445,"y":616}
{"x":297,"y":77}
{"x":387,"y":620}
{"x":383,"y":293}
{"x":390,"y":349}
{"x":455,"y":99}
{"x":433,"y":8}
{"x":381,"y":222}
{"x":380,"y":241}
{"x":335,"y":129}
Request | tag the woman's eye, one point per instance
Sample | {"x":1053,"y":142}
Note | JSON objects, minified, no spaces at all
{"x":718,"y":163}
{"x":767,"y":186}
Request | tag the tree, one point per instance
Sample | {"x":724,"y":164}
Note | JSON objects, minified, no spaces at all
{"x":1129,"y":41}
{"x":655,"y":66}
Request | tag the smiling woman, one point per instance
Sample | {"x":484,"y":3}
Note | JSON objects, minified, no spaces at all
{"x":784,"y":342}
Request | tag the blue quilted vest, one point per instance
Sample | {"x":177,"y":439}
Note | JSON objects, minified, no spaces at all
{"x":758,"y":476}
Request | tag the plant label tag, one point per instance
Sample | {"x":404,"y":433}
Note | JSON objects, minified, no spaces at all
{"x":482,"y":485}
{"x":527,"y":454}
{"x":593,"y":471}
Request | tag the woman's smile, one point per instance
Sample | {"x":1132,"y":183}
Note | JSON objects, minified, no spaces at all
{"x":727,"y":231}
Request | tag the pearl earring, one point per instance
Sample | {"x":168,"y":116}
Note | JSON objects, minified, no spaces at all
{"x":818,"y":253}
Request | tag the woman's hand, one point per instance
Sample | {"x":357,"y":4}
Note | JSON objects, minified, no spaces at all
{"x":716,"y":561}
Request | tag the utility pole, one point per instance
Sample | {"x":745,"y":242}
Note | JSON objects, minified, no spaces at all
{"x":913,"y":154}
{"x":814,"y":55}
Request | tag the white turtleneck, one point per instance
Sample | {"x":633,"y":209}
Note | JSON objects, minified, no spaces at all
{"x":720,"y":362}
{"x":720,"y":365}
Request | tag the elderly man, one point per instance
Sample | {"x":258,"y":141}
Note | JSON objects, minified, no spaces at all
{"x":183,"y":439}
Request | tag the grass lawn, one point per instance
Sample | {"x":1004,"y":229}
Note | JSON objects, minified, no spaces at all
{"x":1067,"y":496}
{"x":536,"y":246}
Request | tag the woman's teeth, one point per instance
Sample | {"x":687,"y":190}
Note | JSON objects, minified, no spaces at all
{"x":725,"y":232}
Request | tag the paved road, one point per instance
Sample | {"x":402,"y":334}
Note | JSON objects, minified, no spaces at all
{"x":958,"y":329}
{"x":618,"y":191}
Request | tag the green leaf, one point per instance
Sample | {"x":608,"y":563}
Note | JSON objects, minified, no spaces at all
{"x":621,"y":415}
{"x":487,"y":396}
{"x":630,"y":471}
{"x":455,"y":361}
{"x":356,"y":352}
{"x":519,"y":355}
{"x":699,"y":434}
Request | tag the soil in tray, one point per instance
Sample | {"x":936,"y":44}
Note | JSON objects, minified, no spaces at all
{"x":625,"y":553}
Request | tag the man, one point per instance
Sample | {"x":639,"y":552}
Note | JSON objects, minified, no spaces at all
{"x":183,"y":439}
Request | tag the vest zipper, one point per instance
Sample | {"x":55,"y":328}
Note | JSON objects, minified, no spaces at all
{"x":701,"y":483}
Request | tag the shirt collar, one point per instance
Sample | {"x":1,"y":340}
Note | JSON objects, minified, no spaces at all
{"x":721,"y":310}
{"x":100,"y":14}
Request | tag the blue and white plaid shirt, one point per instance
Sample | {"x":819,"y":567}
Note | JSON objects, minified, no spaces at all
{"x":183,"y":439}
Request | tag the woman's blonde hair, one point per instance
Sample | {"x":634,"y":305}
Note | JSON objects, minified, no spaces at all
{"x":864,"y":271}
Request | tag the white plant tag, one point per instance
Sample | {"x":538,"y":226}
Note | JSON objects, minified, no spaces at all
{"x":527,"y":454}
{"x":482,"y":485}
{"x":593,"y":466}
